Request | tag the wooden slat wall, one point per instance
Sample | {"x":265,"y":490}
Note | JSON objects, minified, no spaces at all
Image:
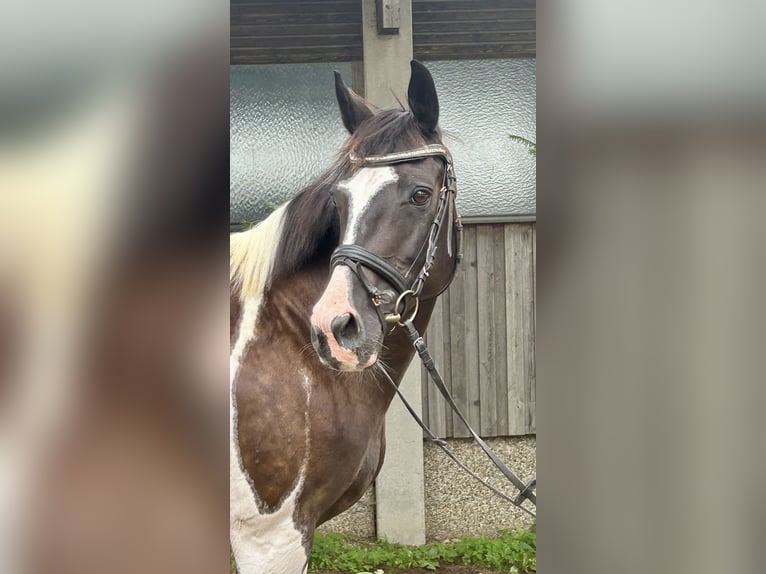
{"x":294,"y":31}
{"x":474,"y":29}
{"x":482,"y":335}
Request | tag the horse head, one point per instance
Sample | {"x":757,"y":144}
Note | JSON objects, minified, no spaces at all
{"x":395,"y":209}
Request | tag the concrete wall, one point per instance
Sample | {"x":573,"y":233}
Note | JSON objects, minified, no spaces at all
{"x":455,"y":504}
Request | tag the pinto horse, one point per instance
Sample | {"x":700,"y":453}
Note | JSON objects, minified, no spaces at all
{"x":316,"y":291}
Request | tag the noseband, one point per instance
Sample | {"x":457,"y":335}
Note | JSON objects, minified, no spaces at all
{"x":407,"y":291}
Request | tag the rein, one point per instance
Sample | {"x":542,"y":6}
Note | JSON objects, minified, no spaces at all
{"x":526,"y":491}
{"x":356,"y":258}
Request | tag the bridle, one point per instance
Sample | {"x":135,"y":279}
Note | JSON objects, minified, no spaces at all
{"x":356,"y":258}
{"x":407,"y":291}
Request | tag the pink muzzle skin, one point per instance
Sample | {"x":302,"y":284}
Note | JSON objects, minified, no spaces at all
{"x":336,"y":301}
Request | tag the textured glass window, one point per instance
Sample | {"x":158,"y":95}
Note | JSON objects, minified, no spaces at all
{"x":285,"y":130}
{"x":481,"y":104}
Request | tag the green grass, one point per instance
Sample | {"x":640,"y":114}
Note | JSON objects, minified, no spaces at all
{"x":510,"y":551}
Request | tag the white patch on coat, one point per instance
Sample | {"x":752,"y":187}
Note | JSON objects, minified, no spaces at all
{"x":361,"y":189}
{"x":269,"y":543}
{"x":246,"y":334}
{"x":262,"y":543}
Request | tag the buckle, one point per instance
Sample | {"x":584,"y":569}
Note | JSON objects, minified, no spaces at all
{"x":400,"y":307}
{"x":525,"y":493}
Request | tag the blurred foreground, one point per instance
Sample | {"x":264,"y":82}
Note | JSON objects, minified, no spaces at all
{"x":113,"y":289}
{"x":651,"y":325}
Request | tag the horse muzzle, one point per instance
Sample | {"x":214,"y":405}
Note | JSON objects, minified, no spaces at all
{"x":343,"y":338}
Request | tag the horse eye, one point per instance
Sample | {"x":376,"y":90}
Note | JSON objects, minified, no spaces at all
{"x":421,"y":196}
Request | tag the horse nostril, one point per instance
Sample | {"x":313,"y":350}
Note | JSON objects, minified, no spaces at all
{"x":345,"y":329}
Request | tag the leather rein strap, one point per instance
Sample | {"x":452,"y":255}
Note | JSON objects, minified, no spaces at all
{"x":356,"y":257}
{"x":526,"y":491}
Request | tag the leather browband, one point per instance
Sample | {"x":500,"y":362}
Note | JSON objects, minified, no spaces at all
{"x":432,"y":150}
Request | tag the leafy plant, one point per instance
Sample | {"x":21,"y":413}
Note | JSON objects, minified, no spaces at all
{"x":510,"y":551}
{"x":532,"y":146}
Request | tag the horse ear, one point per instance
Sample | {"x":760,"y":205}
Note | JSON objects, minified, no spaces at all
{"x":353,"y":108}
{"x":421,"y":96}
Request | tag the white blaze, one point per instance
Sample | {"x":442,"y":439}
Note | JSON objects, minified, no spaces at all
{"x":361,"y":189}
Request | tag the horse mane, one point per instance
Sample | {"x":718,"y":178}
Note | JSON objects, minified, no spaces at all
{"x":307,"y":226}
{"x":252,"y":255}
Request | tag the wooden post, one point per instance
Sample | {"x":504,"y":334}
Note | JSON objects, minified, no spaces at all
{"x":399,"y":489}
{"x":386,"y":56}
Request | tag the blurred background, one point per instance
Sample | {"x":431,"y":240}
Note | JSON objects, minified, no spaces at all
{"x":651,"y":274}
{"x":113,"y":290}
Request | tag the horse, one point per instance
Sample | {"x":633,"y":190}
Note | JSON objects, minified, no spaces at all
{"x":318,"y":290}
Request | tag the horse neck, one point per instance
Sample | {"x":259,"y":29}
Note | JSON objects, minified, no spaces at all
{"x":294,"y":296}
